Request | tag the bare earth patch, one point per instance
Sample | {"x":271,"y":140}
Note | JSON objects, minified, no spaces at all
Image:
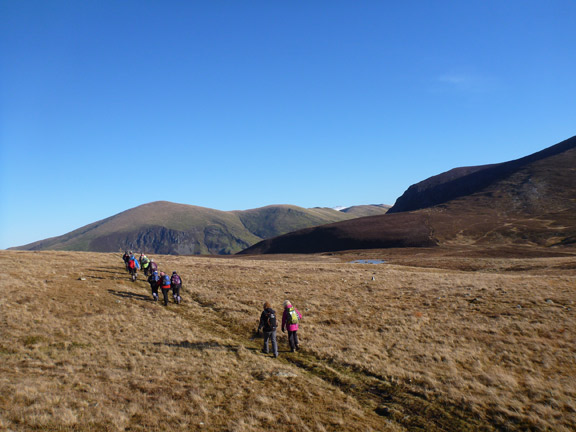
{"x":446,"y":342}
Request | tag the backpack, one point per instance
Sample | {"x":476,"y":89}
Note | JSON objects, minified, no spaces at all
{"x":155,"y":277}
{"x":175,"y":280}
{"x":165,"y":280}
{"x":153,"y":266}
{"x":132,"y":264}
{"x":271,"y":320}
{"x":292,"y":316}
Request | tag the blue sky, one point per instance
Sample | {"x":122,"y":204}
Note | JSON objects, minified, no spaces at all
{"x":106,"y":105}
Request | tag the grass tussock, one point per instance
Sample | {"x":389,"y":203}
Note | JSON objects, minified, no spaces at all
{"x":385,"y":347}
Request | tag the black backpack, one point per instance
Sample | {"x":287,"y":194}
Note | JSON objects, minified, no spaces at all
{"x":270,"y":319}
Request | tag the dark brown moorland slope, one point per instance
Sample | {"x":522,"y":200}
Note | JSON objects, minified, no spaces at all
{"x":528,"y":201}
{"x":464,"y":181}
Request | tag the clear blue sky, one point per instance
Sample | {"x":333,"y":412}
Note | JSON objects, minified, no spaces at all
{"x":106,"y":105}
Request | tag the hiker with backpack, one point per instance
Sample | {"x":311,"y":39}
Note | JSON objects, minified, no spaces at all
{"x":126,"y":259}
{"x":144,"y":263}
{"x":176,"y":285}
{"x":133,"y":266}
{"x":154,"y":280}
{"x":165,"y":286}
{"x":152,"y":266}
{"x":268,"y":325}
{"x":290,"y":319}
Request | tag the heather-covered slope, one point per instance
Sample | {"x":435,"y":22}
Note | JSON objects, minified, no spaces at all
{"x":168,"y":228}
{"x":465,"y":181}
{"x":531,"y":200}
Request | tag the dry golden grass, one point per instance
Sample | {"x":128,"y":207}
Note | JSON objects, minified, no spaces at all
{"x":385,"y":347}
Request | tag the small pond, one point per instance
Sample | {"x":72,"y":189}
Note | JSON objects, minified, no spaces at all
{"x":368,"y":261}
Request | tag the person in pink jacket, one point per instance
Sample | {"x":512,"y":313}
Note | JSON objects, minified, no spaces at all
{"x":290,"y":319}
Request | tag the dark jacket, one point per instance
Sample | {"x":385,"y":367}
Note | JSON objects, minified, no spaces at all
{"x":265,"y":320}
{"x":152,"y":282}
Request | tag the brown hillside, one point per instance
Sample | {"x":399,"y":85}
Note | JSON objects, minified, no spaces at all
{"x":465,"y":181}
{"x":529,"y":201}
{"x":373,"y":232}
{"x":179,"y":229}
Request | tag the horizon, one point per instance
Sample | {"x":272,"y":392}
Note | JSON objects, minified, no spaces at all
{"x":105,"y":107}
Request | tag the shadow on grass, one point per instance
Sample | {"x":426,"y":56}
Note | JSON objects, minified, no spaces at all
{"x":126,"y":294}
{"x":199,"y":346}
{"x":108,"y":270}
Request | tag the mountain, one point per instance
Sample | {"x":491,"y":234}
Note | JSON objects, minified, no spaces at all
{"x":466,"y":181}
{"x":529,"y":201}
{"x":167,"y":228}
{"x":367,"y":210}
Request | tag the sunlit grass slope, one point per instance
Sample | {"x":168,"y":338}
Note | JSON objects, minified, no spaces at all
{"x":384,"y":347}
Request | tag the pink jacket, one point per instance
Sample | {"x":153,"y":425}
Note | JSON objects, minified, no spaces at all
{"x":290,"y":327}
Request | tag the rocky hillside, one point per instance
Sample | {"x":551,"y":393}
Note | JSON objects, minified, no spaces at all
{"x":168,"y":228}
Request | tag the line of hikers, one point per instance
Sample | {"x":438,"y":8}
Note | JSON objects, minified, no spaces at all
{"x":268,"y":324}
{"x":157,"y":280}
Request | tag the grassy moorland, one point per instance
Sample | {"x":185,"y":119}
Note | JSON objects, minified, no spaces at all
{"x":421,"y":343}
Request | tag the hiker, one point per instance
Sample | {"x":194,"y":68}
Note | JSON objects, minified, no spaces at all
{"x":290,"y":319}
{"x":133,"y":266}
{"x":268,"y":325}
{"x":153,"y":266}
{"x":144,"y":263}
{"x":176,"y":285}
{"x":126,"y":258}
{"x":165,"y":286}
{"x":154,"y":280}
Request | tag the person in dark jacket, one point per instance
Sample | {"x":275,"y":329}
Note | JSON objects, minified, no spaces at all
{"x":268,"y":325}
{"x":176,"y":285}
{"x":154,"y":280}
{"x":165,"y":286}
{"x":126,"y":258}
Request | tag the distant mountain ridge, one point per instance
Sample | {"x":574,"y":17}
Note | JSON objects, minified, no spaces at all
{"x":527,"y":201}
{"x":163,"y":227}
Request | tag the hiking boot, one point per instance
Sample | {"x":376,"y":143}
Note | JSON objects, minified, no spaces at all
{"x":264,"y":352}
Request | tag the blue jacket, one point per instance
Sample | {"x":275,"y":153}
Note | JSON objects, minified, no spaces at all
{"x":136,"y":263}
